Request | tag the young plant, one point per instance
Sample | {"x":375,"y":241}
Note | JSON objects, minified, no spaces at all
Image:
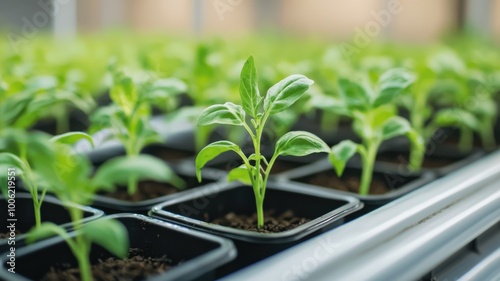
{"x":256,"y":168}
{"x":465,"y":104}
{"x":374,"y":121}
{"x":22,"y":105}
{"x":129,"y":116}
{"x":70,"y":178}
{"x":19,"y":149}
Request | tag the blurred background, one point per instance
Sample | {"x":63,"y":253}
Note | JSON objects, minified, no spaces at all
{"x":401,"y":20}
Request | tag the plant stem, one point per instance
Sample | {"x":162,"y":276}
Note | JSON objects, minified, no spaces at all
{"x":416,"y":158}
{"x":417,"y":120}
{"x":259,"y":204}
{"x":80,"y":248}
{"x":487,"y":135}
{"x":62,"y":121}
{"x":38,"y":216}
{"x":132,"y":185}
{"x":466,"y":139}
{"x":368,"y":163}
{"x":83,"y":262}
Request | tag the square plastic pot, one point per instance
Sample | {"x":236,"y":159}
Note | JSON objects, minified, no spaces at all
{"x":441,"y":158}
{"x":52,"y":210}
{"x":399,"y":184}
{"x":112,"y":205}
{"x":324,"y":209}
{"x":197,"y":254}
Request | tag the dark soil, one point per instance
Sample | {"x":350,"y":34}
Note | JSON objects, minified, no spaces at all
{"x":170,"y":154}
{"x":272,"y":223}
{"x":145,"y":190}
{"x":430,"y":161}
{"x":349,"y":183}
{"x":135,"y":267}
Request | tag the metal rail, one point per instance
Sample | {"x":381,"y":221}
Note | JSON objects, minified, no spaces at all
{"x":403,"y":240}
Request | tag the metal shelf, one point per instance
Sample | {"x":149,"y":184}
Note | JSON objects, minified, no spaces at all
{"x":404,"y":240}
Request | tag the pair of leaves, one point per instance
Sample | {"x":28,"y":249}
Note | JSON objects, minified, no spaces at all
{"x":295,"y":143}
{"x":395,"y":126}
{"x":107,"y":233}
{"x":119,"y":170}
{"x":358,"y":96}
{"x":278,"y":98}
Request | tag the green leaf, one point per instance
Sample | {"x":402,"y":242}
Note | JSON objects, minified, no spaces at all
{"x":456,"y":117}
{"x":381,"y":114}
{"x":162,"y":89}
{"x":355,"y":95}
{"x":211,"y":151}
{"x":11,"y":160}
{"x":395,"y":126}
{"x":44,"y":231}
{"x":15,"y":106}
{"x":300,"y":143}
{"x":119,"y":170}
{"x":72,"y":138}
{"x":341,"y":153}
{"x":109,"y":234}
{"x":286,"y":92}
{"x":391,"y":85}
{"x":239,"y":174}
{"x":249,"y":89}
{"x":228,"y":114}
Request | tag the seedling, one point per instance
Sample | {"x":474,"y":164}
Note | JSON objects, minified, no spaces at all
{"x":374,"y":121}
{"x":69,"y":177}
{"x":15,"y":154}
{"x":129,"y":115}
{"x":256,"y":168}
{"x":22,"y":105}
{"x":466,"y":103}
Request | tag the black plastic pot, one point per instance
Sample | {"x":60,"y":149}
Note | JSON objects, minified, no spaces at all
{"x":52,"y":211}
{"x":112,"y":205}
{"x":442,"y":158}
{"x":198,"y":254}
{"x":325,"y":209}
{"x":399,"y":184}
{"x":77,"y":121}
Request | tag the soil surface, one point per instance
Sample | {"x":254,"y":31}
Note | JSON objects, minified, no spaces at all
{"x":273,"y":223}
{"x":429,"y":161}
{"x":349,"y":183}
{"x":145,"y":190}
{"x":169,"y":154}
{"x":135,"y":267}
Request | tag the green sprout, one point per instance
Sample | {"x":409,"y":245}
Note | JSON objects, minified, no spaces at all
{"x":256,"y":168}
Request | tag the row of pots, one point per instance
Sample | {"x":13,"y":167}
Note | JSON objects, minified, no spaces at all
{"x":292,"y":189}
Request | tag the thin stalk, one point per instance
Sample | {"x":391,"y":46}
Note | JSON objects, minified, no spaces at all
{"x":62,"y":121}
{"x":487,"y":135}
{"x":368,"y":161}
{"x":416,"y":157}
{"x":132,"y":185}
{"x":81,"y":246}
{"x":466,"y":139}
{"x":418,"y":123}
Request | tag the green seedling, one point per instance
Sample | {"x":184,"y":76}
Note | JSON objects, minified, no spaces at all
{"x":256,"y":168}
{"x":22,"y":105}
{"x":374,"y":121}
{"x":128,"y":118}
{"x":71,"y":179}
